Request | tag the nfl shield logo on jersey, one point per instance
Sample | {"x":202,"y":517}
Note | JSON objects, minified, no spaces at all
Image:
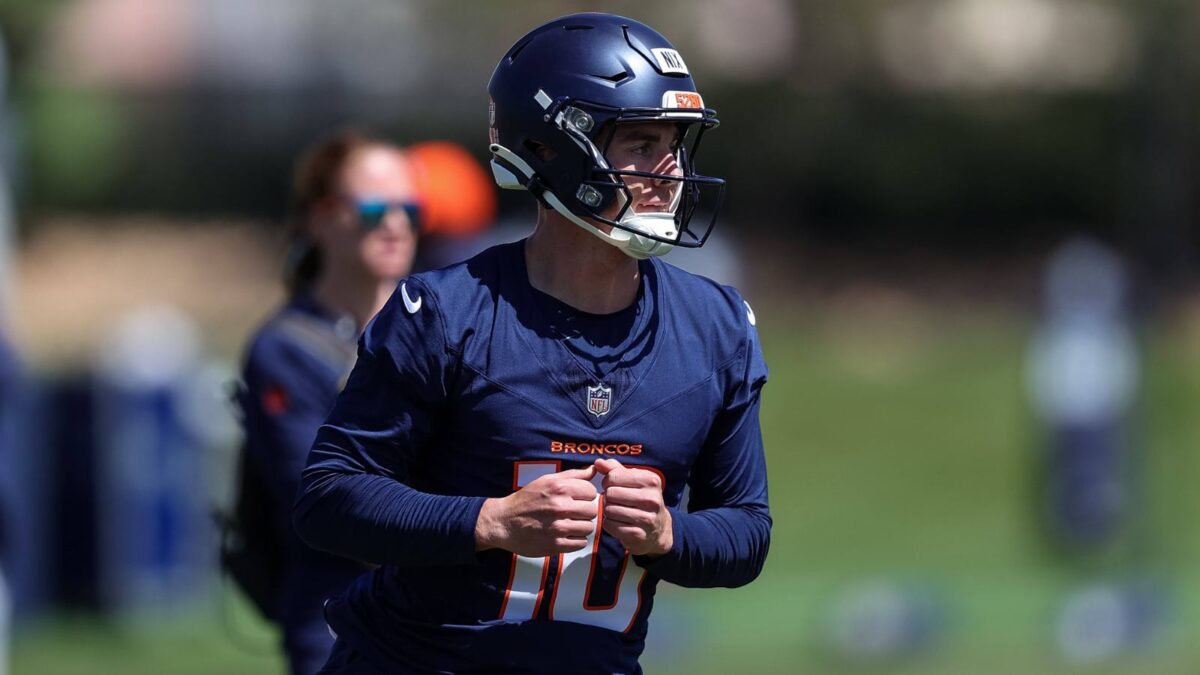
{"x":599,"y":397}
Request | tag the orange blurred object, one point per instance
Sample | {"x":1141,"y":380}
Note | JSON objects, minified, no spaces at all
{"x":458,"y":198}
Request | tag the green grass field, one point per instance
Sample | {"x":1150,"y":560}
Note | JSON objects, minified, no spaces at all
{"x":898,"y":450}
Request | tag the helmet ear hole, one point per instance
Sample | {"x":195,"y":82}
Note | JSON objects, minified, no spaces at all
{"x":540,"y":150}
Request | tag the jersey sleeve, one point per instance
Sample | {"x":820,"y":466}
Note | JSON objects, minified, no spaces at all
{"x":355,"y":500}
{"x":722,"y":539}
{"x":284,"y":402}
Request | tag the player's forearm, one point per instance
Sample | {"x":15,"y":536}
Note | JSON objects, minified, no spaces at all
{"x":379,"y":520}
{"x":720,"y":547}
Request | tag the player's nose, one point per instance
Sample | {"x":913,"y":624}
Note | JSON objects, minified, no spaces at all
{"x":668,"y":166}
{"x":397,"y":222}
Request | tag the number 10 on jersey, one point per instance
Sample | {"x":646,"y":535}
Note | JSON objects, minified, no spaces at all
{"x":569,"y":594}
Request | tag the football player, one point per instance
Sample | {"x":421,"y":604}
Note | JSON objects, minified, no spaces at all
{"x":356,"y":233}
{"x":515,"y":439}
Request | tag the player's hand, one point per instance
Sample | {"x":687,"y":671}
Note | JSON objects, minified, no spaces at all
{"x":634,"y":511}
{"x":553,"y":514}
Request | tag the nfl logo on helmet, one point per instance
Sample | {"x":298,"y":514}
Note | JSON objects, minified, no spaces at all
{"x":599,"y":398}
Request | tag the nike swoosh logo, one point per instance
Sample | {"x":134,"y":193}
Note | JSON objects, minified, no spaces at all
{"x":413,"y":306}
{"x":749,"y":312}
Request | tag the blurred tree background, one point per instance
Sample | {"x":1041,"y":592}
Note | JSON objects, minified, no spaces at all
{"x":963,"y":125}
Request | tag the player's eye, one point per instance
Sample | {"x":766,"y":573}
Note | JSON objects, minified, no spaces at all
{"x":372,"y":212}
{"x":642,"y":149}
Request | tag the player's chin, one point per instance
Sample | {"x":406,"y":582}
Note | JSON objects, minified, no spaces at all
{"x":390,"y":265}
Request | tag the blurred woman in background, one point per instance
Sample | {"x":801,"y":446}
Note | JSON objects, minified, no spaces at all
{"x":355,"y":218}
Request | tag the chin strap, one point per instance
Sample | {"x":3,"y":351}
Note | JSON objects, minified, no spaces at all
{"x":634,"y":245}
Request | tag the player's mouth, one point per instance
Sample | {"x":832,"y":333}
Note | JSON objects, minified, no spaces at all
{"x":652,"y":207}
{"x":389,"y":245}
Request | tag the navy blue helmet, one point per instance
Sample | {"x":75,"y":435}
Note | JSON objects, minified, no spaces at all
{"x":555,"y":98}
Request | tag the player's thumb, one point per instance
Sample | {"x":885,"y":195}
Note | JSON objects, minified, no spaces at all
{"x":586,"y":473}
{"x":605,"y":466}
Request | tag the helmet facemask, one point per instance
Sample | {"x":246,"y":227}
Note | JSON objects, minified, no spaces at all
{"x":647,"y":233}
{"x":580,"y":184}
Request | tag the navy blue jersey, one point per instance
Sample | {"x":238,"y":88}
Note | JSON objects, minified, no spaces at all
{"x":470,"y":384}
{"x":295,"y":367}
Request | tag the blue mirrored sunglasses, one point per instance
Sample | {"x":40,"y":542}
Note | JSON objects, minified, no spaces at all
{"x":372,"y":212}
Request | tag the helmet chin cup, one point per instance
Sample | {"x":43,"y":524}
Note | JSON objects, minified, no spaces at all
{"x":640,"y":247}
{"x":634,"y":245}
{"x":629,"y":242}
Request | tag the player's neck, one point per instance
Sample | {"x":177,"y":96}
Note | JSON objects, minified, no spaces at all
{"x":358,"y":295}
{"x":572,"y":265}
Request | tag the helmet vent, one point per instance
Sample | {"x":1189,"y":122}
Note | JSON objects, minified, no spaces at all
{"x":616,"y":78}
{"x":577,"y":27}
{"x":517,"y":50}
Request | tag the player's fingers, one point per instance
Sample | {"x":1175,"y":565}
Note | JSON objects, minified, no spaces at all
{"x":569,"y":484}
{"x":632,"y":477}
{"x":627,"y":516}
{"x":572,"y":529}
{"x":568,"y":544}
{"x":586,"y":473}
{"x":628,"y":535}
{"x":579,"y":489}
{"x":644,"y":499}
{"x":575,"y":509}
